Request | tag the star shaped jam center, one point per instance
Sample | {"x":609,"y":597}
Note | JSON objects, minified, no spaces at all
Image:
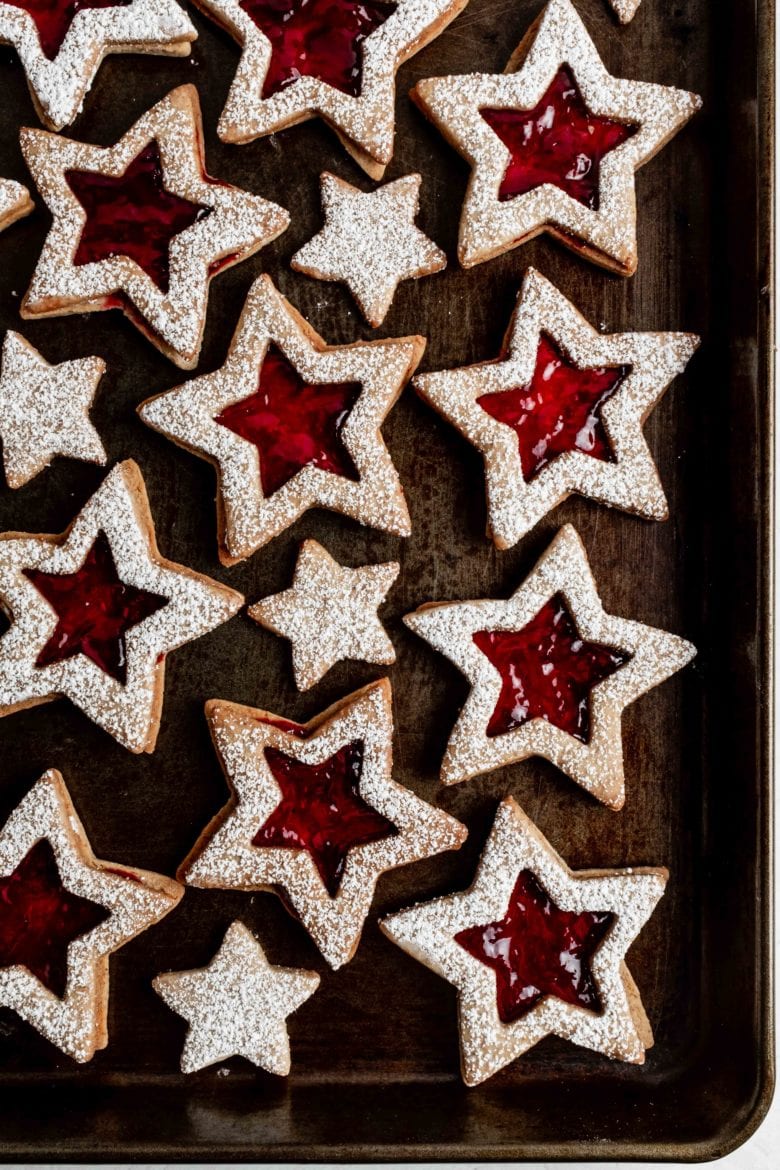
{"x":39,"y":918}
{"x":53,"y":18}
{"x":322,"y":811}
{"x":536,"y":949}
{"x":558,"y":411}
{"x":316,"y":38}
{"x":94,"y":609}
{"x":547,"y":671}
{"x":133,"y":215}
{"x":559,"y":141}
{"x":293,"y":423}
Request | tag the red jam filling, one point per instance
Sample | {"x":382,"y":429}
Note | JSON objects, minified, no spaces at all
{"x":536,"y":949}
{"x":316,"y":38}
{"x":560,"y":142}
{"x":132,"y":215}
{"x":53,"y":18}
{"x":322,"y":811}
{"x":547,"y":671}
{"x":293,"y":423}
{"x":558,"y":411}
{"x":94,"y":609}
{"x":39,"y":918}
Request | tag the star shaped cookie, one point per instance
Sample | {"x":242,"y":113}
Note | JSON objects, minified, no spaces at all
{"x":561,"y":411}
{"x":95,"y":611}
{"x":291,"y":423}
{"x":536,"y":950}
{"x":550,"y":673}
{"x":61,"y":45}
{"x":370,"y":242}
{"x":15,"y":202}
{"x":625,"y":10}
{"x":141,"y":226}
{"x":315,"y":814}
{"x":237,"y":1005}
{"x":554,"y":143}
{"x":332,"y":58}
{"x":62,"y":913}
{"x":329,"y":613}
{"x":44,"y":410}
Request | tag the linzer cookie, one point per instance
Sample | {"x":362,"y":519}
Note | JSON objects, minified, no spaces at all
{"x":561,"y":410}
{"x":370,"y":242}
{"x":15,"y":202}
{"x":536,"y":950}
{"x":62,"y":44}
{"x":62,"y":913}
{"x":554,"y":143}
{"x":292,"y":423}
{"x":332,"y":58}
{"x":94,"y":612}
{"x":237,"y":1005}
{"x":550,"y":673}
{"x":44,"y":410}
{"x":329,"y":613}
{"x":140,"y":226}
{"x":315,"y":814}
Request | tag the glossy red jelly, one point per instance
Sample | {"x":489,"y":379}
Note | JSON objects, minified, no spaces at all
{"x":547,"y":671}
{"x":293,"y":423}
{"x":39,"y":918}
{"x":132,"y":215}
{"x":560,"y":141}
{"x":94,"y":609}
{"x":53,"y":18}
{"x":322,"y":811}
{"x":316,"y":38}
{"x":558,"y":411}
{"x":536,"y":949}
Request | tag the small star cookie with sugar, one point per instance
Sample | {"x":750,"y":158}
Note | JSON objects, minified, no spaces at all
{"x":44,"y":410}
{"x":329,"y":613}
{"x":237,"y":1005}
{"x":370,"y":242}
{"x":15,"y":202}
{"x":554,"y":143}
{"x":625,"y":10}
{"x":536,"y":950}
{"x":62,"y":913}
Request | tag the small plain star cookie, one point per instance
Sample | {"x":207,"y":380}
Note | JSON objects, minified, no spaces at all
{"x":370,"y":242}
{"x":315,"y":814}
{"x":536,"y":950}
{"x":140,"y":226}
{"x":329,"y":613}
{"x":15,"y":202}
{"x":44,"y":410}
{"x":561,"y":410}
{"x":291,"y":423}
{"x":95,"y":611}
{"x":550,"y":673}
{"x":61,"y":45}
{"x":332,"y":58}
{"x":554,"y":144}
{"x":62,"y":913}
{"x":237,"y":1005}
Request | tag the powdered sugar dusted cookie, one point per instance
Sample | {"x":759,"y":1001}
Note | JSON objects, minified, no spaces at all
{"x":370,"y":242}
{"x":140,"y":226}
{"x":561,"y":411}
{"x":536,"y":950}
{"x":625,"y":10}
{"x":95,"y":611}
{"x":237,"y":1005}
{"x":291,"y":423}
{"x":550,"y":673}
{"x":554,"y":143}
{"x":315,"y":814}
{"x":332,"y":58}
{"x":329,"y":613}
{"x":15,"y":202}
{"x":44,"y":410}
{"x":62,"y":913}
{"x":62,"y":43}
